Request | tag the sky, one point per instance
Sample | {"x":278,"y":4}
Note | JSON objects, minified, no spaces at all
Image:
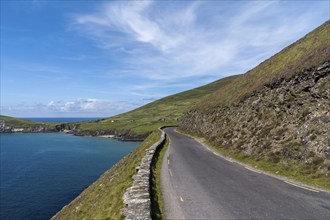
{"x":102,"y":58}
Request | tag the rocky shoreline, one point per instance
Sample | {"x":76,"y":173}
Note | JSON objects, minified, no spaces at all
{"x":112,"y":133}
{"x":38,"y":128}
{"x":72,"y":128}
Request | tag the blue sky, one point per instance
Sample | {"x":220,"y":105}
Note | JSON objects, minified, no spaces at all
{"x":98,"y":59}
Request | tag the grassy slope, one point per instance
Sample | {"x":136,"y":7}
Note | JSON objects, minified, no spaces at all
{"x":165,"y":111}
{"x":22,"y":123}
{"x":103,"y":199}
{"x":311,"y":50}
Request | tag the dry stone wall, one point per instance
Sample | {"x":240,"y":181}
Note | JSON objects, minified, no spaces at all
{"x":137,"y":197}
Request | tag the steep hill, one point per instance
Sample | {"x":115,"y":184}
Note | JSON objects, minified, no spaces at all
{"x":141,"y":121}
{"x":310,"y":51}
{"x":277,"y":112}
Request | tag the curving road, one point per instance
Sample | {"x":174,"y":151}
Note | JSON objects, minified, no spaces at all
{"x":198,"y":184}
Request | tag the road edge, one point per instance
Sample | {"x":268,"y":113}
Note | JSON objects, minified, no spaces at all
{"x":255,"y":169}
{"x":168,"y":194}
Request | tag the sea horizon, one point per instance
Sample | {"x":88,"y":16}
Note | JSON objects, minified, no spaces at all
{"x":61,"y":119}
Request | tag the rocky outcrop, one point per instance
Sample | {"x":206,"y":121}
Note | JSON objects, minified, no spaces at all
{"x":66,"y":127}
{"x":37,"y":128}
{"x":286,"y":120}
{"x":125,"y":135}
{"x":137,"y":197}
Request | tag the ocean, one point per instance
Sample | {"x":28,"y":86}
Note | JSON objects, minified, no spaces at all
{"x":61,"y":119}
{"x":40,"y":173}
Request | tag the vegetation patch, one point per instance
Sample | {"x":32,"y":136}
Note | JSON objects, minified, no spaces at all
{"x":103,"y":199}
{"x":23,"y":123}
{"x":157,"y":204}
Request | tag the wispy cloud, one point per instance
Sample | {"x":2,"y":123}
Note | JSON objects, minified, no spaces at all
{"x":78,"y":107}
{"x":78,"y":58}
{"x":127,"y":53}
{"x":165,"y":42}
{"x":86,"y":105}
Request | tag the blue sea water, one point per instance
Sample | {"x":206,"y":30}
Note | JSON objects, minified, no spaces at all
{"x":61,"y":119}
{"x":40,"y":173}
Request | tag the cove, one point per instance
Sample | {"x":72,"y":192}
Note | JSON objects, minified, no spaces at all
{"x":40,"y":173}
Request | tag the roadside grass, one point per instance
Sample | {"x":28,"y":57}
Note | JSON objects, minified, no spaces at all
{"x":289,"y":168}
{"x":103,"y":199}
{"x":157,"y":202}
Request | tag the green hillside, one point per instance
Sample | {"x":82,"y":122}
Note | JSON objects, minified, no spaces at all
{"x":17,"y":122}
{"x":275,"y":116}
{"x":165,"y":111}
{"x":311,"y":50}
{"x":23,"y":123}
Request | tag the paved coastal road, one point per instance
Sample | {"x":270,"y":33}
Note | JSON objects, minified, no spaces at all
{"x":197,"y":184}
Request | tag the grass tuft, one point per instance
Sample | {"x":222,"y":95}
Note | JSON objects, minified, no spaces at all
{"x":157,"y":204}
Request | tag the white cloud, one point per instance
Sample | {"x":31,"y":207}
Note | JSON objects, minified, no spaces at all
{"x":87,"y":105}
{"x":78,"y":107}
{"x":132,"y":19}
{"x":160,"y":41}
{"x":151,"y":49}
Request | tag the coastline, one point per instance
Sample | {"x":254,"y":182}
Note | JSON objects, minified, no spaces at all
{"x":73,"y":129}
{"x":107,"y":136}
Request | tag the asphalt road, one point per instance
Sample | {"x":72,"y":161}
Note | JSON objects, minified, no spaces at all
{"x":197,"y":184}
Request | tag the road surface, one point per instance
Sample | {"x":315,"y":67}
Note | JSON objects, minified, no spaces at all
{"x":197,"y":184}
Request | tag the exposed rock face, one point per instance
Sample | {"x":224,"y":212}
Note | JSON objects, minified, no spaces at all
{"x":3,"y":127}
{"x":137,"y":197}
{"x":288,"y":120}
